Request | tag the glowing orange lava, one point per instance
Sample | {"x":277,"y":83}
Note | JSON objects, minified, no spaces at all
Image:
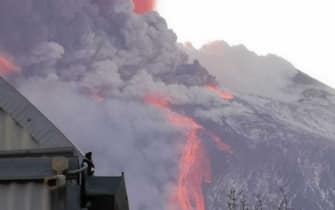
{"x":194,"y":165}
{"x":220,"y":145}
{"x":157,"y":101}
{"x":194,"y":170}
{"x":6,"y":66}
{"x":143,"y":6}
{"x":221,"y":94}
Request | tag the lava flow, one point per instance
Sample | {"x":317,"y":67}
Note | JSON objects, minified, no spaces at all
{"x":220,"y":93}
{"x":6,"y":67}
{"x":194,"y":165}
{"x":220,"y":145}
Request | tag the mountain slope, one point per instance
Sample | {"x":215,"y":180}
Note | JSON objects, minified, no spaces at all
{"x":283,"y":135}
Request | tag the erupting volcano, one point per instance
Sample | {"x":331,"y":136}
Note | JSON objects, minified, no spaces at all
{"x":90,"y":77}
{"x":194,"y":164}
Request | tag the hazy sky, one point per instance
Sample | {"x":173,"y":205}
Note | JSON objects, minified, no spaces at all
{"x":301,"y":31}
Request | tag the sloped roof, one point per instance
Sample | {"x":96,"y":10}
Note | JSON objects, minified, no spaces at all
{"x":19,"y":115}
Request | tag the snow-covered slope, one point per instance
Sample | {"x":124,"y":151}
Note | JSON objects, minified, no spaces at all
{"x":283,"y":134}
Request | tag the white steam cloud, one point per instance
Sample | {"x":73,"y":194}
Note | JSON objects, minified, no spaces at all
{"x":244,"y":71}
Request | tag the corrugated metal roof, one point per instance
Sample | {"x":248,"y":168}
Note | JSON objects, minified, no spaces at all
{"x":23,"y":126}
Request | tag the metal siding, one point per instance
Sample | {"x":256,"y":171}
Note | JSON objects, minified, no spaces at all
{"x":13,"y":136}
{"x":29,"y":196}
{"x":23,"y":128}
{"x":23,"y":113}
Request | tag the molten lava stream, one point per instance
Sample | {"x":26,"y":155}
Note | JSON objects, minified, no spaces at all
{"x":194,"y":169}
{"x":220,"y":93}
{"x":6,"y":66}
{"x":220,"y":145}
{"x":194,"y":165}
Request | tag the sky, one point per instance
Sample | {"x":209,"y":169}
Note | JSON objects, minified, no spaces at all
{"x":301,"y":31}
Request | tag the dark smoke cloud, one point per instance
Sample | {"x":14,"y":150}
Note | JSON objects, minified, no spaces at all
{"x":72,"y":53}
{"x":78,"y":34}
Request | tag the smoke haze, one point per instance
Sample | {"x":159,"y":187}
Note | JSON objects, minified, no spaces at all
{"x":89,"y":65}
{"x":244,"y":71}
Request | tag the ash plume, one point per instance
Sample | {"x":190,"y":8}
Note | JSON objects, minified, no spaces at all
{"x":88,"y":64}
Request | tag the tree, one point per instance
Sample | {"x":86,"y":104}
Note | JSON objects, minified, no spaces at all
{"x":283,"y":204}
{"x":243,"y":202}
{"x":232,"y":199}
{"x":259,"y":203}
{"x":237,"y":200}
